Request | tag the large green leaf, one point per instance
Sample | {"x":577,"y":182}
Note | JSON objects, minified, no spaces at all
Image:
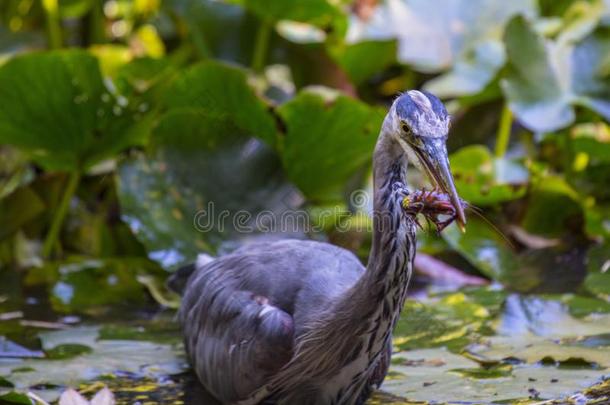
{"x":462,"y":37}
{"x":546,"y":79}
{"x":363,"y":59}
{"x":57,"y":107}
{"x":223,"y":91}
{"x":201,"y":176}
{"x":327,"y":142}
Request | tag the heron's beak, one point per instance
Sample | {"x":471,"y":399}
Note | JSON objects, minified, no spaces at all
{"x":432,"y":154}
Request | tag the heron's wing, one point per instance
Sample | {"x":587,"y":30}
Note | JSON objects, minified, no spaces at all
{"x":241,"y":312}
{"x":235,"y":339}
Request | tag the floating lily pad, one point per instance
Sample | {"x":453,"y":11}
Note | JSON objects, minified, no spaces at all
{"x":107,"y":357}
{"x":438,"y":376}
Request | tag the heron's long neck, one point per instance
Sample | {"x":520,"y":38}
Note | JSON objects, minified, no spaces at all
{"x":377,"y":298}
{"x":385,"y":282}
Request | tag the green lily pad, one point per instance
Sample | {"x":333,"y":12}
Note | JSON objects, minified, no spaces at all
{"x":201,"y":176}
{"x":545,"y":81}
{"x":363,"y":59}
{"x":57,"y":107}
{"x":327,"y":142}
{"x":482,"y":180}
{"x":500,"y":371}
{"x":139,"y":359}
{"x":452,"y":321}
{"x":439,"y":376}
{"x":222,"y":91}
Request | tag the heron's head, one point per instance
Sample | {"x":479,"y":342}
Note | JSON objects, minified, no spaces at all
{"x":420,"y":124}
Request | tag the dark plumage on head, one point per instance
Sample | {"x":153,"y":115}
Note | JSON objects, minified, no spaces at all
{"x":424,"y":114}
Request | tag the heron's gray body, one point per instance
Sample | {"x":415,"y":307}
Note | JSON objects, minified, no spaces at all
{"x":302,"y":322}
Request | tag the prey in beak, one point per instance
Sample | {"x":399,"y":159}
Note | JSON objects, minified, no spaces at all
{"x":423,"y":126}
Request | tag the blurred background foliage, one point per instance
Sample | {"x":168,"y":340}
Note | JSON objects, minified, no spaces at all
{"x":122,"y":120}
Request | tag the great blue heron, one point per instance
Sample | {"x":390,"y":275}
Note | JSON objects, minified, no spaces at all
{"x":302,"y":322}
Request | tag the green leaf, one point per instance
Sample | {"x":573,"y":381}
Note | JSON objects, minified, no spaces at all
{"x":138,"y":359}
{"x":485,"y":249}
{"x":17,"y":209}
{"x":326,"y":143}
{"x":482,"y":179}
{"x":201,"y":168}
{"x":363,"y":59}
{"x":439,"y":376}
{"x":74,"y":8}
{"x":472,"y":72}
{"x":56,"y":106}
{"x":67,"y":351}
{"x":460,"y":37}
{"x":552,"y":207}
{"x":222,"y":91}
{"x":15,"y":398}
{"x":317,"y":12}
{"x":545,"y":80}
{"x":599,"y":284}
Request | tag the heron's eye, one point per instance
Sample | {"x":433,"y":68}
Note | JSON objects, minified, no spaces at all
{"x":406,"y":129}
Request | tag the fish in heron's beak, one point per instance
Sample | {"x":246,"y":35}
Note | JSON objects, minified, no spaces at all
{"x":432,"y":155}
